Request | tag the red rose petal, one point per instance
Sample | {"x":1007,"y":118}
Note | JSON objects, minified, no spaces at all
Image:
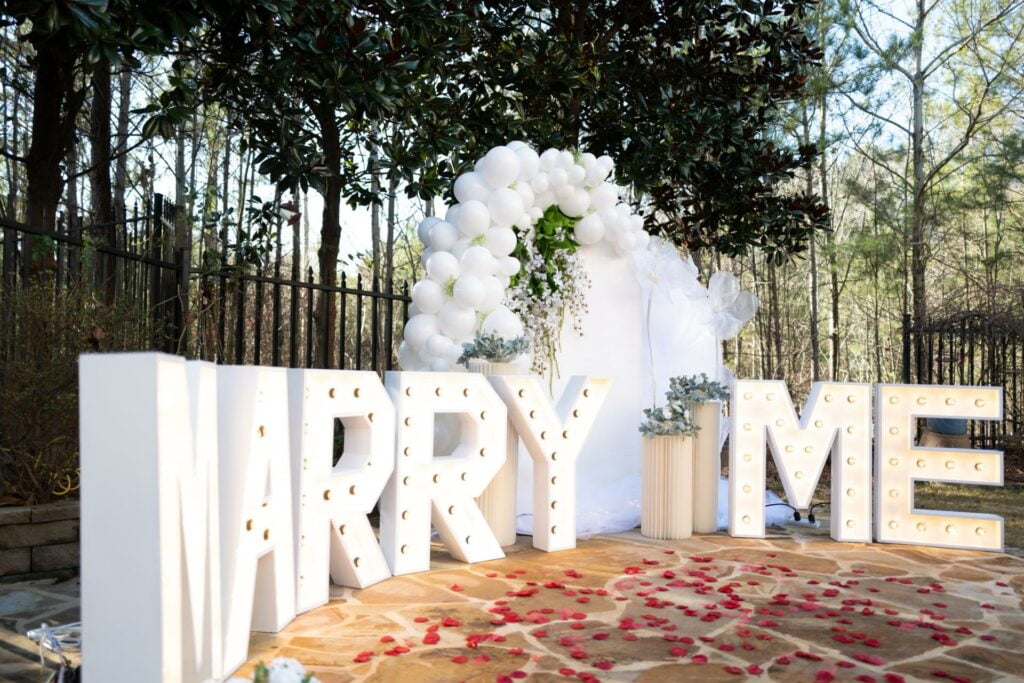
{"x":604,"y":665}
{"x":460,"y":659}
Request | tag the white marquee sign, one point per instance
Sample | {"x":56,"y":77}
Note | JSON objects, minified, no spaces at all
{"x":211,"y":505}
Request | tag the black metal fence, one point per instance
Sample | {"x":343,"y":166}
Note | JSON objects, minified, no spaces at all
{"x":206,"y":303}
{"x":973,"y":349}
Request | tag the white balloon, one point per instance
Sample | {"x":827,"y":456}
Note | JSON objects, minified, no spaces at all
{"x":604,"y":196}
{"x":642,"y":239}
{"x":407,"y":358}
{"x":494,"y":293}
{"x":540,"y":182}
{"x":470,"y":186}
{"x":549,"y":159}
{"x":456,"y":321}
{"x":544,"y":200}
{"x":442,"y":236}
{"x":455,"y":351}
{"x":414,"y":310}
{"x":500,"y":167}
{"x":474,"y":218}
{"x":441,"y":267}
{"x":452,"y":215}
{"x":516,"y":145}
{"x":529,"y":162}
{"x":589,"y":229}
{"x":524,"y":222}
{"x":478,"y":261}
{"x":535,"y":213}
{"x":425,"y":255}
{"x":505,"y":205}
{"x":503,"y":323}
{"x":565,"y":160}
{"x":419,"y":329}
{"x":526,"y":194}
{"x":460,"y":247}
{"x":636,"y":223}
{"x":423,"y":229}
{"x":509,"y":266}
{"x":626,"y":241}
{"x":557,"y":178}
{"x":501,"y":241}
{"x":588,"y":160}
{"x":439,"y":365}
{"x":469,"y":291}
{"x":427,"y":296}
{"x":437,"y":345}
{"x":606,"y":161}
{"x":576,"y":174}
{"x":575,"y":203}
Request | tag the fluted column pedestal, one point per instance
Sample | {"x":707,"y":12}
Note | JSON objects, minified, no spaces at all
{"x":666,"y":510}
{"x":707,"y":466}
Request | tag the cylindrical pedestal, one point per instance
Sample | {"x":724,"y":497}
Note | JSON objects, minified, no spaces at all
{"x":707,"y":466}
{"x":667,"y":499}
{"x":498,"y":501}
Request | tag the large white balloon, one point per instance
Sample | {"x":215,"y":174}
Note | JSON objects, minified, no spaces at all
{"x":500,"y":167}
{"x":470,"y":186}
{"x":478,"y":261}
{"x":442,"y":236}
{"x":548,"y":159}
{"x":503,"y":323}
{"x":474,"y":218}
{"x":540,"y":183}
{"x":456,"y":321}
{"x":529,"y":162}
{"x":427,"y":296}
{"x":604,"y":196}
{"x":589,"y":229}
{"x":437,"y":345}
{"x":505,"y":206}
{"x":420,"y":328}
{"x":575,"y":203}
{"x":501,"y":241}
{"x":441,"y":267}
{"x":468,"y":291}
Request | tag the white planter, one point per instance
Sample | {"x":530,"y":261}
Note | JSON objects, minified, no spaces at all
{"x":498,"y":501}
{"x":707,"y":466}
{"x":666,"y":509}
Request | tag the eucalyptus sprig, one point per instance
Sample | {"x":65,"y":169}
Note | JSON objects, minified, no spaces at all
{"x":675,"y":418}
{"x":493,"y":348}
{"x":697,"y":389}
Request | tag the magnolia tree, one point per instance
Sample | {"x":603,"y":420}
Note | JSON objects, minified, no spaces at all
{"x":507,"y":252}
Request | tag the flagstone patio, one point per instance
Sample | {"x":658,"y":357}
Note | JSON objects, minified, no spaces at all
{"x":795,"y":606}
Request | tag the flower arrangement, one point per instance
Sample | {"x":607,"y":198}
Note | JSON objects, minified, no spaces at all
{"x":280,"y":670}
{"x":506,"y":252}
{"x":491,"y":347}
{"x":675,"y":418}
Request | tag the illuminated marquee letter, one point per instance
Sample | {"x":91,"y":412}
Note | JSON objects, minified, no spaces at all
{"x":257,"y":558}
{"x":424,"y":488}
{"x":898,"y":464}
{"x":554,"y":436}
{"x":332,"y":501}
{"x":149,"y":517}
{"x":836,"y":418}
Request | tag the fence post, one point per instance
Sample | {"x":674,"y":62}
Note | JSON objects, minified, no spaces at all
{"x":906,"y":348}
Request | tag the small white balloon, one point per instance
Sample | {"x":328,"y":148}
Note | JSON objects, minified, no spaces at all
{"x":642,"y":239}
{"x":455,"y":352}
{"x":442,"y":236}
{"x":529,"y":162}
{"x":419,"y":329}
{"x":588,"y":161}
{"x":423,"y":229}
{"x":470,"y":186}
{"x":505,"y":206}
{"x":589,"y":229}
{"x":526,"y":194}
{"x":501,"y":241}
{"x":516,"y":145}
{"x":460,"y":247}
{"x":574,"y":203}
{"x":478,"y":261}
{"x":606,"y":161}
{"x":549,"y":159}
{"x":604,"y":196}
{"x":437,"y":345}
{"x":535,"y":213}
{"x":427,"y":296}
{"x":456,"y":321}
{"x":509,"y":266}
{"x":524,"y":222}
{"x":576,"y":174}
{"x":540,"y":182}
{"x":558,"y":178}
{"x":441,"y":267}
{"x":452,"y":215}
{"x":425,"y":255}
{"x":636,"y":223}
{"x":494,"y":293}
{"x":474,"y":218}
{"x":414,"y":310}
{"x":565,"y":160}
{"x":500,"y":167}
{"x":544,"y":200}
{"x":468,"y":291}
{"x":407,"y":358}
{"x":626,"y":242}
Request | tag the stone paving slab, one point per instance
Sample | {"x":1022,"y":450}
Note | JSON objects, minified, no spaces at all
{"x":794,"y":606}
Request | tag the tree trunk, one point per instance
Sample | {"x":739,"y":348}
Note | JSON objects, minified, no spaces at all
{"x":330,"y":232}
{"x":124,"y":88}
{"x":375,"y":213}
{"x":813,"y":264}
{"x":776,"y":319}
{"x":917,"y":217}
{"x":104,"y":228}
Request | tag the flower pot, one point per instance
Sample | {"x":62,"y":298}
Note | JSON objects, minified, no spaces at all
{"x":666,"y":510}
{"x":707,"y":466}
{"x":498,"y":501}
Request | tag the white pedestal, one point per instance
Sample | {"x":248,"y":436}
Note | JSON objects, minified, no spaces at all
{"x":498,"y":501}
{"x":667,"y":500}
{"x":707,"y":466}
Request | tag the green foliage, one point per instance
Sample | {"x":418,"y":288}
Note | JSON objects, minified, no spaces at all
{"x":491,"y":347}
{"x":675,"y":417}
{"x":552,"y":240}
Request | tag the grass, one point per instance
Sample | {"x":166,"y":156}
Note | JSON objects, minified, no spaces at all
{"x":1005,"y":501}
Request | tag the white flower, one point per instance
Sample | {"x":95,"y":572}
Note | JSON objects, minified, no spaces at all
{"x":731,"y":309}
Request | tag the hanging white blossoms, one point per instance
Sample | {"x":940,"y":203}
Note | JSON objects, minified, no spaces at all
{"x":469,"y":254}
